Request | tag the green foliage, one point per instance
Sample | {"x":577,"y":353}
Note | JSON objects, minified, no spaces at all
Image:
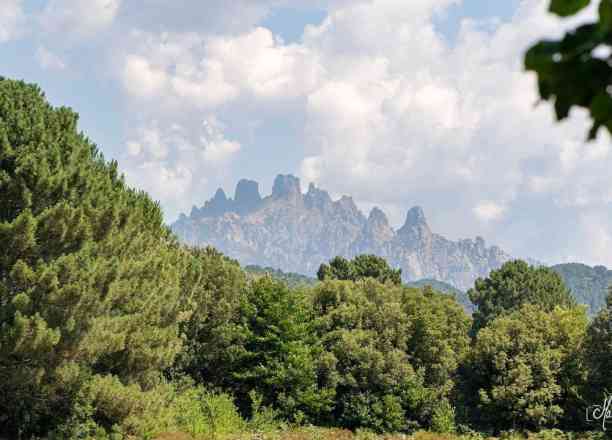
{"x":589,"y":285}
{"x":443,"y":418}
{"x":438,"y":338}
{"x":598,"y":353}
{"x":89,"y":274}
{"x":524,"y":367}
{"x":280,"y":358}
{"x":365,"y":332}
{"x":110,"y":330}
{"x":361,"y":267}
{"x":106,"y":408}
{"x":569,"y":70}
{"x":460,"y":296}
{"x":293,"y":280}
{"x":254,"y":336}
{"x":517,"y":283}
{"x":215,"y":291}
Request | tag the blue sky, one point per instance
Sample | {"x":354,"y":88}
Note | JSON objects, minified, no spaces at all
{"x":395,"y":103}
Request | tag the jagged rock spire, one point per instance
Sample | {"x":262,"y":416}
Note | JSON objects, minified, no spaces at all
{"x":287,"y":186}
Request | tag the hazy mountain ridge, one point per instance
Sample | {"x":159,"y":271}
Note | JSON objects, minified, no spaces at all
{"x":589,"y":285}
{"x":296,"y":232}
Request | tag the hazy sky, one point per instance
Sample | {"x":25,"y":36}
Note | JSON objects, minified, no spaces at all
{"x":395,"y":102}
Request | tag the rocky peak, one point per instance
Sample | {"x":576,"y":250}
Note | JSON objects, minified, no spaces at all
{"x":415,"y":217}
{"x":247,"y":191}
{"x":297,"y":233}
{"x":377,"y":229}
{"x":219,"y":196}
{"x":287,"y":187}
{"x":317,"y":198}
{"x":415,"y":227}
{"x":247,"y":197}
{"x":480,"y":243}
{"x":218,"y":205}
{"x":377,"y":218}
{"x":347,"y":207}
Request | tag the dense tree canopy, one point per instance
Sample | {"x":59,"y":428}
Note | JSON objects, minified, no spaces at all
{"x":524,"y":368}
{"x":361,"y":267}
{"x":89,"y":274}
{"x":110,"y":329}
{"x":575,"y":71}
{"x":599,"y":353}
{"x":514,"y":284}
{"x":364,"y":334}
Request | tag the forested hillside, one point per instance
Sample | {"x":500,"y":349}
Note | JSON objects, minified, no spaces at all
{"x":111,"y":329}
{"x":292,"y":279}
{"x":589,"y":285}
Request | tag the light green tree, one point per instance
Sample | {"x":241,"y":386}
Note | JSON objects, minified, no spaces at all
{"x":365,"y":333}
{"x":598,"y":351}
{"x":524,"y":369}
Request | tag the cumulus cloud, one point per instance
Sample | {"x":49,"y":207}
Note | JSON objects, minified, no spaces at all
{"x":49,"y":60}
{"x":488,"y":211}
{"x":210,"y":71}
{"x":382,"y":106}
{"x":11,"y":19}
{"x":171,"y":161}
{"x":81,"y":18}
{"x":391,"y":111}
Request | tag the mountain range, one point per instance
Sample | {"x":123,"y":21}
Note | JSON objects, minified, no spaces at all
{"x":296,"y":232}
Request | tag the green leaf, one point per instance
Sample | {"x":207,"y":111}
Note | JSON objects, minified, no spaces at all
{"x":605,"y":15}
{"x":601,"y":108}
{"x":541,"y":56}
{"x":565,"y":8}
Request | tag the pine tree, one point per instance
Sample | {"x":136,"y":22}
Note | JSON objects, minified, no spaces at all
{"x":89,"y":274}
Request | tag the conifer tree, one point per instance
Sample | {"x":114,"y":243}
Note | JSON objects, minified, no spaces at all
{"x":89,"y":274}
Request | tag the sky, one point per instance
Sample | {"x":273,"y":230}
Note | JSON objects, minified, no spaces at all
{"x":396,"y":103}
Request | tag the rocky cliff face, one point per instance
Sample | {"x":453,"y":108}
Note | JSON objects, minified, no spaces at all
{"x":296,"y":232}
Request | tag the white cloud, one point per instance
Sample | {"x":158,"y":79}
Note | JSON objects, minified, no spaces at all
{"x":78,"y":17}
{"x":11,"y":19}
{"x":386,"y":108}
{"x":207,"y":72}
{"x":141,"y":79}
{"x":488,"y":211}
{"x":49,"y":60}
{"x":216,"y":147}
{"x":171,"y":161}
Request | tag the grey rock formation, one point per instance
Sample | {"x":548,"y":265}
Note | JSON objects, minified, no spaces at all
{"x":296,"y":232}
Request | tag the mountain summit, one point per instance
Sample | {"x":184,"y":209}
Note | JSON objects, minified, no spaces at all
{"x":296,"y":232}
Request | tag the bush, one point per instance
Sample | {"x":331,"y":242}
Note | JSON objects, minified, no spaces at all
{"x":109,"y":409}
{"x":443,"y":418}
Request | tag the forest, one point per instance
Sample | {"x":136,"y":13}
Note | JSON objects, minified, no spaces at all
{"x":111,"y":329}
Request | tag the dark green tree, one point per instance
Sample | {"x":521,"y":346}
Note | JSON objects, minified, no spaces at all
{"x":214,"y":290}
{"x":361,"y":267}
{"x":571,"y":71}
{"x":89,"y":274}
{"x":598,"y":351}
{"x":439,"y":339}
{"x":514,"y":284}
{"x":253,"y":336}
{"x":281,"y":353}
